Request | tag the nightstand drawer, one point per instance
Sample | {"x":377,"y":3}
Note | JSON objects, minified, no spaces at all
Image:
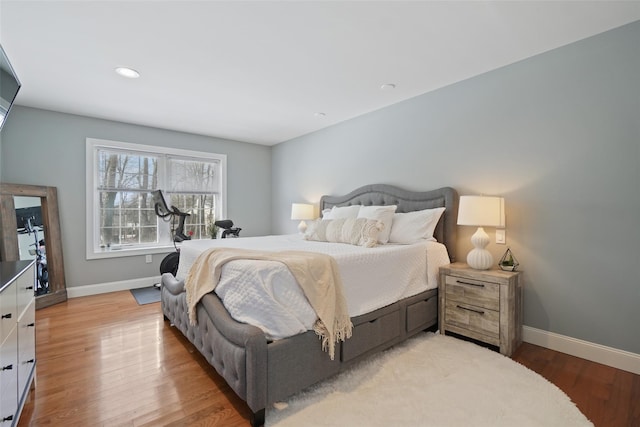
{"x":472,"y":318}
{"x":473,"y":292}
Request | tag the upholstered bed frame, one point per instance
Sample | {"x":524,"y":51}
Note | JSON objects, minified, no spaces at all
{"x":262,"y":372}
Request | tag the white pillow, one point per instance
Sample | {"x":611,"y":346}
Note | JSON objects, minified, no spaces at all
{"x":338,"y":212}
{"x":355,"y":231}
{"x":411,"y":227}
{"x":383,"y":214}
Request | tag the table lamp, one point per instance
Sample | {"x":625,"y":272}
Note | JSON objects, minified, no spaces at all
{"x":302,"y":211}
{"x":480,"y":211}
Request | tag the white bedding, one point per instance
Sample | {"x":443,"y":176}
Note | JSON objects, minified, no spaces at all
{"x":265,"y":294}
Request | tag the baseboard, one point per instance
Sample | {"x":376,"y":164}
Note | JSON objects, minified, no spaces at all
{"x":610,"y":356}
{"x":103,"y":288}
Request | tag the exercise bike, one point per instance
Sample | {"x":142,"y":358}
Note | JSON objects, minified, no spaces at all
{"x":170,"y":263}
{"x":42,"y":273}
{"x":227,"y":227}
{"x":162,"y":210}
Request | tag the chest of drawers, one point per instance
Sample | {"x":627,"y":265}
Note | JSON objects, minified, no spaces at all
{"x":17,"y":337}
{"x":485,"y":305}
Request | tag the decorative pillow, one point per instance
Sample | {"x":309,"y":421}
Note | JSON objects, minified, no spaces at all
{"x":380,"y":213}
{"x":411,"y":227}
{"x":355,"y":231}
{"x":338,"y":212}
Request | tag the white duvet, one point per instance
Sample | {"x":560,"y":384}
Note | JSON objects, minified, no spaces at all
{"x":265,"y":294}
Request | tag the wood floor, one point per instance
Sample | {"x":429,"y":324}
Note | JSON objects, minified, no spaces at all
{"x":609,"y":397}
{"x":105,"y":361}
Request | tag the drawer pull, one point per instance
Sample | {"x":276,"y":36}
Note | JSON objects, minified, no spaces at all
{"x":7,"y":368}
{"x":30,"y":361}
{"x":470,"y":309}
{"x":6,"y":316}
{"x":479,"y":285}
{"x":30,"y":325}
{"x":29,"y":288}
{"x":9,"y":418}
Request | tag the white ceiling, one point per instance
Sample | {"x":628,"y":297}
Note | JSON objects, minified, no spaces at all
{"x":257,"y":71}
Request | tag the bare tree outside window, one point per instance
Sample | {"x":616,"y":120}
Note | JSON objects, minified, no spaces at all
{"x":190,"y":190}
{"x":126,"y":205}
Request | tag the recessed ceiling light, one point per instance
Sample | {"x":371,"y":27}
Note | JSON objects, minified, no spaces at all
{"x":319,"y":114}
{"x":388,"y":86}
{"x":128,"y":72}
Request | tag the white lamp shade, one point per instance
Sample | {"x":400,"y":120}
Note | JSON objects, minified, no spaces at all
{"x":302,"y":211}
{"x":481,"y":211}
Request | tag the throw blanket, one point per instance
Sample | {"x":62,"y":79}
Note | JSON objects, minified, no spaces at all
{"x":317,"y":274}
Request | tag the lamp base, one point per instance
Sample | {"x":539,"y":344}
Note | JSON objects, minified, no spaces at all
{"x":302,"y":227}
{"x":479,"y":258}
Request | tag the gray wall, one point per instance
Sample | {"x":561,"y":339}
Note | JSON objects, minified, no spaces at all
{"x":557,"y":135}
{"x":42,"y":147}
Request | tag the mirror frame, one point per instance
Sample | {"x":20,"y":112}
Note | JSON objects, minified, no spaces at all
{"x":53,"y":241}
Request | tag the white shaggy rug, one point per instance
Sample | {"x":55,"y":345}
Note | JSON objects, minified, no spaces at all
{"x":432,"y":380}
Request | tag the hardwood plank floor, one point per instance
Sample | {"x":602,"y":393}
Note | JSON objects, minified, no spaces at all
{"x":609,"y":397}
{"x":105,"y":360}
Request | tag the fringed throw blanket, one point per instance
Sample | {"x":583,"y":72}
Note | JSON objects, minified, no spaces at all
{"x":317,"y":274}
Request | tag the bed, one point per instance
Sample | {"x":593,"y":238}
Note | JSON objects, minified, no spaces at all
{"x":263,"y":370}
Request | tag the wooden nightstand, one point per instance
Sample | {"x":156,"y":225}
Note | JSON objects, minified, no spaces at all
{"x":485,"y":305}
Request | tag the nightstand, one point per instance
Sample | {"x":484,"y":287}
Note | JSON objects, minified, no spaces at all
{"x":485,"y":305}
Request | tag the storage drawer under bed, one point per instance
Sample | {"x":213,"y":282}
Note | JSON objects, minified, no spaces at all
{"x":422,"y":313}
{"x":370,"y":334}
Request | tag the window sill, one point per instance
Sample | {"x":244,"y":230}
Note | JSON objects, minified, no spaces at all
{"x":123,"y":251}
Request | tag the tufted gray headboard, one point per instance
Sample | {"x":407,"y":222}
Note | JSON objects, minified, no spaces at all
{"x":407,"y":201}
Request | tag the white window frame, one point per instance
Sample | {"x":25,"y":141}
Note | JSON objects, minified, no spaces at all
{"x":93,"y":251}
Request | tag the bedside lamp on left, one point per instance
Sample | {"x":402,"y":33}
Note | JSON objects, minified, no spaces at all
{"x":302,"y":212}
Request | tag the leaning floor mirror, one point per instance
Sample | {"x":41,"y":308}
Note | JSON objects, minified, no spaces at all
{"x":30,"y":229}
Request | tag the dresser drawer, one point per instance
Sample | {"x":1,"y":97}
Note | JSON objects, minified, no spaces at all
{"x":9,"y":377}
{"x":24,"y":290}
{"x":473,"y":292}
{"x":26,"y":345}
{"x":8,"y":310}
{"x":472,"y":318}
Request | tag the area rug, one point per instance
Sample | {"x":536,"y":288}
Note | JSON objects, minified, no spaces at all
{"x":146,"y":295}
{"x":432,"y":380}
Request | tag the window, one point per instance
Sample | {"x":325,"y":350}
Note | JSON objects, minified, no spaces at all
{"x":121,"y":218}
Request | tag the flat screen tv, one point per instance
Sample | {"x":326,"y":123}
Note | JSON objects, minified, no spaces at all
{"x":9,"y":86}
